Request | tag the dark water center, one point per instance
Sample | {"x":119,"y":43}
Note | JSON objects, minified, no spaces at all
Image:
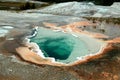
{"x":59,"y":48}
{"x":62,"y":46}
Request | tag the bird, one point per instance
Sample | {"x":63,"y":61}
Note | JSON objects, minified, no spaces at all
{"x":33,"y":33}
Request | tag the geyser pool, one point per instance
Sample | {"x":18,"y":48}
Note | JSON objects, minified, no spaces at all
{"x":64,"y":47}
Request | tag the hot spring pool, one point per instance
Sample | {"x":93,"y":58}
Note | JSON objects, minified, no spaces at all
{"x":63,"y":46}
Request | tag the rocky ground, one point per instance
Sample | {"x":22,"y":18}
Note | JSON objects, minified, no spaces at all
{"x":101,"y":22}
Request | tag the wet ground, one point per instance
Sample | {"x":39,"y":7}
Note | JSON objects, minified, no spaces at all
{"x":18,"y":62}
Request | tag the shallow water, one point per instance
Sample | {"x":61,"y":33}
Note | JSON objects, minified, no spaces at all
{"x":4,"y":30}
{"x":63,"y":47}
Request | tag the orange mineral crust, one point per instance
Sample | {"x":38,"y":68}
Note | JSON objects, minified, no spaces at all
{"x":34,"y":58}
{"x":30,"y":38}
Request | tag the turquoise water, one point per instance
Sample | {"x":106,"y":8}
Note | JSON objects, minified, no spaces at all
{"x":62,"y":46}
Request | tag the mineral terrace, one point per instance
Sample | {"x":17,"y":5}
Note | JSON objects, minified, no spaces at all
{"x":64,"y":41}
